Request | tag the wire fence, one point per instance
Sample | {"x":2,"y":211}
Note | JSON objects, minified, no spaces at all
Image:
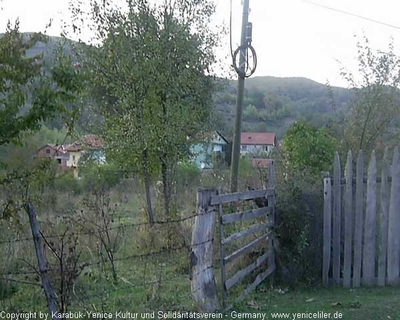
{"x":151,"y":268}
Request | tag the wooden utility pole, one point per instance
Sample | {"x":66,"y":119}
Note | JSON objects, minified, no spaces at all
{"x":239,"y":100}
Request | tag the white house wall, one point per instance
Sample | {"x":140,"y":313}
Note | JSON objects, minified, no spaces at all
{"x":255,"y":149}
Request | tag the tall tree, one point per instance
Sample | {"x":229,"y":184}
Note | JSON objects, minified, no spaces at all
{"x":376,"y":103}
{"x":152,"y":82}
{"x":32,"y":90}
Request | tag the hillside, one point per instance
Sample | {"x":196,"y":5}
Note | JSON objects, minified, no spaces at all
{"x":270,"y":104}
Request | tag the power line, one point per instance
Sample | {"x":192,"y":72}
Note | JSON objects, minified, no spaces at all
{"x":352,"y":14}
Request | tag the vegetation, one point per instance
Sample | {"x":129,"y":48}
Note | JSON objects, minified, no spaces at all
{"x":151,"y":90}
{"x":372,"y":118}
{"x":308,"y":150}
{"x":356,"y":304}
{"x":150,"y":83}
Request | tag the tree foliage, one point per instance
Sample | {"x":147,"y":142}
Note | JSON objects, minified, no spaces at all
{"x":28,"y":94}
{"x":375,"y":107}
{"x":32,"y":91}
{"x":308,"y":149}
{"x":152,"y":81}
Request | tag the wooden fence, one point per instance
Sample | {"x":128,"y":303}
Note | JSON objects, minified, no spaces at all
{"x":361,"y":243}
{"x":204,"y":289}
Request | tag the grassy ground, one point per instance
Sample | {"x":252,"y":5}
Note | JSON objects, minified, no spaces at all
{"x":357,"y":304}
{"x":150,"y":282}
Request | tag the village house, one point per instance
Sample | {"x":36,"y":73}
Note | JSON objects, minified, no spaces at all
{"x":257,"y":143}
{"x":68,"y":156}
{"x":210,"y":149}
{"x":54,"y":151}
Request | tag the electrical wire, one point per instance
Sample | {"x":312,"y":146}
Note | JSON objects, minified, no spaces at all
{"x":352,"y":14}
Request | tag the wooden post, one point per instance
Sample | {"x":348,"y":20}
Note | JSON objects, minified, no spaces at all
{"x":348,"y":221}
{"x":222,"y":253}
{"x":42,"y":262}
{"x":370,"y":226}
{"x":383,"y":219}
{"x":204,"y":289}
{"x":272,"y":202}
{"x":359,"y":221}
{"x":337,"y":220}
{"x":394,"y":223}
{"x":326,"y":257}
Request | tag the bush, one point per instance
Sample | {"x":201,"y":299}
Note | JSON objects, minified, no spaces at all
{"x":100,"y":176}
{"x":299,"y":229}
{"x":187,"y":174}
{"x":67,"y":183}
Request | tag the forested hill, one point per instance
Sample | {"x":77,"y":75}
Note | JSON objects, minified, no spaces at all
{"x":272,"y":104}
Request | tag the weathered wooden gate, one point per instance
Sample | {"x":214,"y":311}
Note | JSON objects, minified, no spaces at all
{"x":362,"y":241}
{"x":210,"y":202}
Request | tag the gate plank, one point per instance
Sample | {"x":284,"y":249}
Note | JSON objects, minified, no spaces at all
{"x":394,"y":223}
{"x":260,"y":278}
{"x":348,"y":222}
{"x":384,"y":216}
{"x":253,"y":229}
{"x":246,"y":215}
{"x":370,"y":226}
{"x":240,"y":196}
{"x":336,"y":219}
{"x":246,"y":248}
{"x":240,"y":275}
{"x":359,"y":220}
{"x":327,"y":230}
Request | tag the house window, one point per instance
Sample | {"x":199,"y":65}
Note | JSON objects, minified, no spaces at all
{"x":48,"y":151}
{"x":73,"y":158}
{"x":59,"y":161}
{"x":244,"y":147}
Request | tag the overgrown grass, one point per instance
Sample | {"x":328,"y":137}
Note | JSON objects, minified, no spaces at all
{"x":355,"y":304}
{"x":152,"y":263}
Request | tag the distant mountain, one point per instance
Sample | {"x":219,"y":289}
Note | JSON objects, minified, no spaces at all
{"x":272,"y":103}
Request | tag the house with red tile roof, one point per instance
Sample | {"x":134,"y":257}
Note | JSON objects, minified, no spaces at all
{"x":69,"y":155}
{"x":257,"y":143}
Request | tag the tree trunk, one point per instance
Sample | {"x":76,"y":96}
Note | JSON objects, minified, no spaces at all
{"x":146,"y":175}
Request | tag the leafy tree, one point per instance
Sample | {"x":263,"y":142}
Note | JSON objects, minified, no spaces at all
{"x":29,"y":95}
{"x":376,"y":104}
{"x":308,"y":149}
{"x":152,"y":84}
{"x":32,"y":91}
{"x":250,"y":113}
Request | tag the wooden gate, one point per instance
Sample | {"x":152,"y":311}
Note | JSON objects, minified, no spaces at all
{"x":361,"y":229}
{"x":211,"y":204}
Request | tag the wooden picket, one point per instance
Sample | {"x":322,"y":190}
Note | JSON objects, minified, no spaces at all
{"x":361,"y":234}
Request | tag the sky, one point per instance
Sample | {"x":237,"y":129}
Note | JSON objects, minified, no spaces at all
{"x":292,"y":38}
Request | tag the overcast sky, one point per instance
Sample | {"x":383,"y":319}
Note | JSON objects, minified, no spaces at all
{"x":293,"y":38}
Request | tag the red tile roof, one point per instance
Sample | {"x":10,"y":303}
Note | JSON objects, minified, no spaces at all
{"x":258,"y":138}
{"x":89,"y":141}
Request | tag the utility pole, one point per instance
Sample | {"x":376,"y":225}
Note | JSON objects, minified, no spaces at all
{"x":241,"y":70}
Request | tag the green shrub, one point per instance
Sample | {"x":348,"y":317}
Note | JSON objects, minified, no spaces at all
{"x":187,"y":174}
{"x":298,"y":228}
{"x":100,"y":176}
{"x":67,"y":183}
